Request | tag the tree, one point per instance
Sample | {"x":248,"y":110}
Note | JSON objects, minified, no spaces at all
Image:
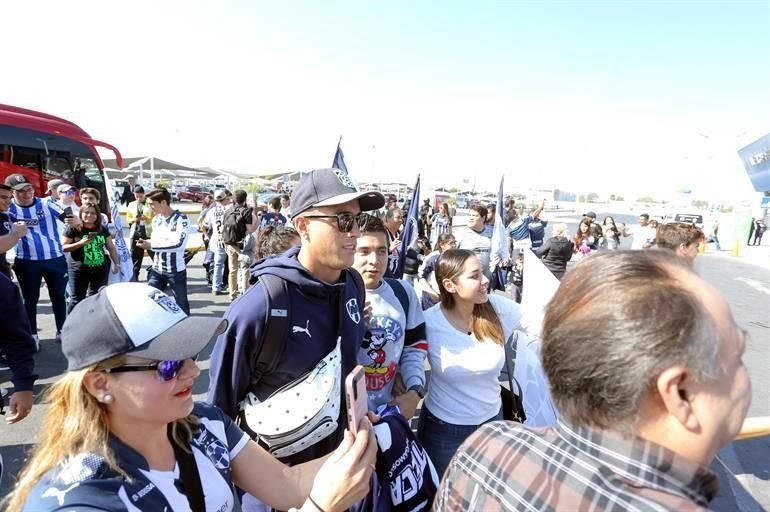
{"x":700,"y":204}
{"x":581,"y":198}
{"x":592,"y":196}
{"x":646,"y":199}
{"x":612,"y":197}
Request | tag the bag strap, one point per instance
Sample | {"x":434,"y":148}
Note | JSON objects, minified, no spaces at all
{"x":511,"y":350}
{"x":276,"y":328}
{"x":401,"y":295}
{"x":188,"y":474}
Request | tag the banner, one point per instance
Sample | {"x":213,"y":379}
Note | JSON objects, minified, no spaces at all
{"x":124,"y":254}
{"x":499,"y":248}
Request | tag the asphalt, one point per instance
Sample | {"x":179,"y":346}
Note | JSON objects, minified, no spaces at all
{"x":744,"y":467}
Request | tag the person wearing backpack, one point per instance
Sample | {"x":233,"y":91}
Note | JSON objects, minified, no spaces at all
{"x":279,"y":368}
{"x":239,"y":222}
{"x":395,"y":341}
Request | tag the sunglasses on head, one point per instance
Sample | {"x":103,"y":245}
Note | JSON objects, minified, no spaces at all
{"x":345,"y":220}
{"x":167,"y":370}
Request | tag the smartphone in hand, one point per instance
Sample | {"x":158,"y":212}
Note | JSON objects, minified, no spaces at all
{"x":356,"y":397}
{"x":68,"y":212}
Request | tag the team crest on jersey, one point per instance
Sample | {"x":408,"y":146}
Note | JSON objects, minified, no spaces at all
{"x":164,"y":301}
{"x":344,"y":178}
{"x":353,"y":310}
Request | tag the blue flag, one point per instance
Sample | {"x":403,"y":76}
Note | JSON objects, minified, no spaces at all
{"x":339,"y":159}
{"x":499,"y":249}
{"x":410,"y":231}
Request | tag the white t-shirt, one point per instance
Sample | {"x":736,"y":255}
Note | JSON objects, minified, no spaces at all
{"x":464,"y":388}
{"x":642,"y":235}
{"x":394,"y":342}
{"x":480,"y":243}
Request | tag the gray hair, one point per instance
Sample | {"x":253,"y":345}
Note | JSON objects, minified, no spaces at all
{"x":608,"y":335}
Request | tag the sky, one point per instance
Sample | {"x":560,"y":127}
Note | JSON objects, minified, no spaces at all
{"x":623,"y":97}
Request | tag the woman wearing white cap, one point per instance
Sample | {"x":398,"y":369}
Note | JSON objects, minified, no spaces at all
{"x":122,"y":432}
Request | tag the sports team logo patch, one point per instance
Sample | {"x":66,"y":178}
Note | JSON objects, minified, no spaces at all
{"x":164,"y":301}
{"x":353,"y":310}
{"x":344,"y":179}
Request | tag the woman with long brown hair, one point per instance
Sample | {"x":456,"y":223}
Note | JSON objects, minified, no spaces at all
{"x":122,"y":432}
{"x":465,"y":333}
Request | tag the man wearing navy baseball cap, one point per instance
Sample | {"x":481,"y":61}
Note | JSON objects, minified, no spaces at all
{"x":306,"y":305}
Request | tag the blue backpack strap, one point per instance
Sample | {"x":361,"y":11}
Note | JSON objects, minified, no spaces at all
{"x":275,"y":331}
{"x":401,"y":295}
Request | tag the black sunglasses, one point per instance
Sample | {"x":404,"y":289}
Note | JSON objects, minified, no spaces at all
{"x":345,"y":220}
{"x":167,"y":370}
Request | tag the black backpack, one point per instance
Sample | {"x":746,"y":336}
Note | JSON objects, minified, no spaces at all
{"x":234,"y":225}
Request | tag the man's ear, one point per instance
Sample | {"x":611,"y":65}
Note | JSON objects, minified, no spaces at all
{"x":675,"y":391}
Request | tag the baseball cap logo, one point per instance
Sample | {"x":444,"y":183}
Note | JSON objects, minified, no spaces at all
{"x":344,"y":179}
{"x":164,"y":301}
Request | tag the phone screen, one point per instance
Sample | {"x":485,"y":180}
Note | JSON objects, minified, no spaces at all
{"x":356,"y":397}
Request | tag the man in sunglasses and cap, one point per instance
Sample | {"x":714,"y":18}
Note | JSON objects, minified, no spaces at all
{"x":301,"y":302}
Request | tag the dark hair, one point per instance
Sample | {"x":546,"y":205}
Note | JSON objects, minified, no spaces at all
{"x":481,"y":210}
{"x":645,"y":215}
{"x":672,"y":235}
{"x":139,"y":189}
{"x":274,"y":240}
{"x":96,"y":209}
{"x":240,"y":196}
{"x":374,"y":225}
{"x":285,"y":196}
{"x":92,"y":191}
{"x":228,"y":193}
{"x":579,"y":236}
{"x":443,"y":238}
{"x":159,"y":195}
{"x":635,"y":318}
{"x":275,"y":203}
{"x":3,"y":186}
{"x":486,"y":323}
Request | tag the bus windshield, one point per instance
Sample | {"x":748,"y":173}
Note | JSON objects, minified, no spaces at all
{"x":42,"y":156}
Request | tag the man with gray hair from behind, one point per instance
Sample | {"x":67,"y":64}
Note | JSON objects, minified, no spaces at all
{"x":644,"y":364}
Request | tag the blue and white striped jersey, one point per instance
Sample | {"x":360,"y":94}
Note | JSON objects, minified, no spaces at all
{"x":85,"y":482}
{"x":168,"y":241}
{"x":42,"y":240}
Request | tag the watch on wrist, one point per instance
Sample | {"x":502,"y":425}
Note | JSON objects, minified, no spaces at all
{"x":419,"y":389}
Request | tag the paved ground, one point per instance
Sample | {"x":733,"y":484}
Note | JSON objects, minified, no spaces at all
{"x":744,"y":466}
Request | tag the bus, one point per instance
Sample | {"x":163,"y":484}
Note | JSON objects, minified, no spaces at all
{"x":43,"y":147}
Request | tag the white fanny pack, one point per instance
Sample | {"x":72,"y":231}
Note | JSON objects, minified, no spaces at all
{"x":301,"y":413}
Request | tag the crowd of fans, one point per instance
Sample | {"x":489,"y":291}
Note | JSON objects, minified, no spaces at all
{"x":641,"y":396}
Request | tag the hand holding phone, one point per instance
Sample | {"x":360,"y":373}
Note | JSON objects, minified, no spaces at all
{"x":356,"y":397}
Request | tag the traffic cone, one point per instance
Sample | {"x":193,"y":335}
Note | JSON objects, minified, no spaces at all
{"x":736,"y":249}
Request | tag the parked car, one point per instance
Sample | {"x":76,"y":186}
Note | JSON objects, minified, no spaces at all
{"x":191,"y":193}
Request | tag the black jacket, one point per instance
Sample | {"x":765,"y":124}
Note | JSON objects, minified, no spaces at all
{"x":16,"y":337}
{"x":556,"y":252}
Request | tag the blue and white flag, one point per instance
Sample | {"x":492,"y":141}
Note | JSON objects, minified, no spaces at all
{"x":410,"y":231}
{"x":124,"y":254}
{"x":499,"y":249}
{"x":339,"y":159}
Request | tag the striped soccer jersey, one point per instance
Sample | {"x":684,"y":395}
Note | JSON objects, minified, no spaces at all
{"x":42,"y":240}
{"x":168,"y":241}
